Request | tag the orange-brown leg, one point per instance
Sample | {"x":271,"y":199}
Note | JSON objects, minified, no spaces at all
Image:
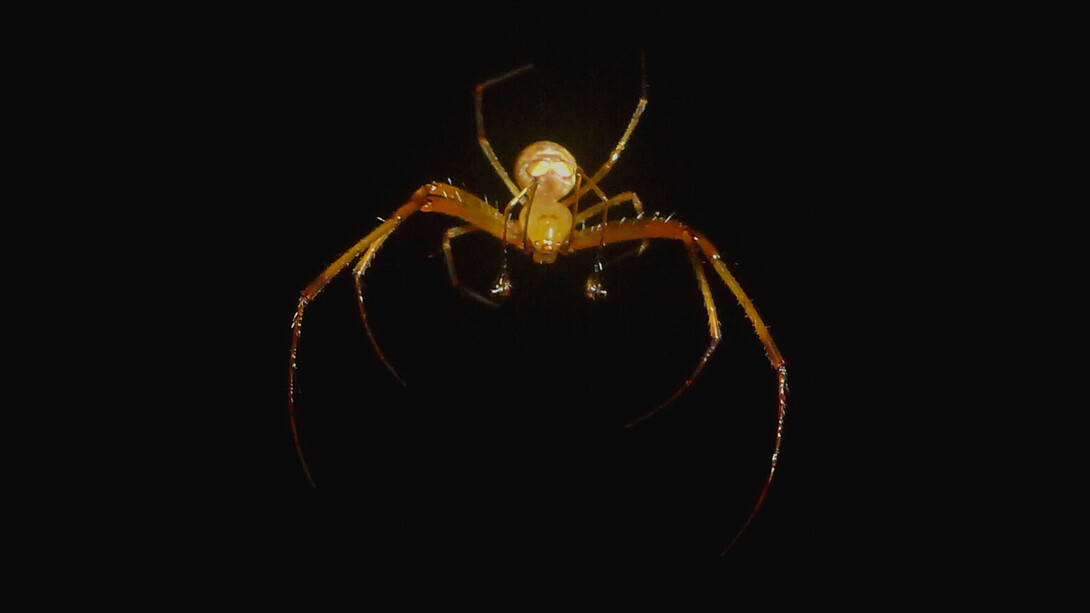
{"x":357,"y":272}
{"x":311,"y":292}
{"x":592,"y":182}
{"x":502,"y":287}
{"x":432,"y":198}
{"x":452,"y":272}
{"x":582,"y":216}
{"x":595,"y":288}
{"x":448,"y":250}
{"x":489,"y":154}
{"x":664,"y":228}
{"x":713,"y":330}
{"x":606,"y":203}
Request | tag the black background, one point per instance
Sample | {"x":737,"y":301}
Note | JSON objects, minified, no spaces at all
{"x":770,"y":134}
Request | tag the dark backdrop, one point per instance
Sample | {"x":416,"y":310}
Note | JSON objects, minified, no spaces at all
{"x":509,"y":441}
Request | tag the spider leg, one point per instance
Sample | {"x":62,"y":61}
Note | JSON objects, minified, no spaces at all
{"x":431,"y":198}
{"x":502,"y":287}
{"x":582,"y":216}
{"x":478,"y":95}
{"x":448,"y":251}
{"x":448,"y":254}
{"x":357,"y":272}
{"x":621,"y":144}
{"x":608,"y":202}
{"x":594,"y":287}
{"x":713,"y":331}
{"x":663,"y":228}
{"x":655,"y":227}
{"x":311,"y":292}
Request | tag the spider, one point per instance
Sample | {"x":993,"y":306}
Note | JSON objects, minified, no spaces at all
{"x":547,"y":189}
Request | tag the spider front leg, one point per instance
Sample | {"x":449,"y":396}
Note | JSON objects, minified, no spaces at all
{"x":697,"y":245}
{"x":311,"y":292}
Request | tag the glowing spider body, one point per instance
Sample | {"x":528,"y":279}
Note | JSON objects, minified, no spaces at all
{"x":547,"y":188}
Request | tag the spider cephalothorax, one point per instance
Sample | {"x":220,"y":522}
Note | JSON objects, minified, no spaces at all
{"x":549,"y":171}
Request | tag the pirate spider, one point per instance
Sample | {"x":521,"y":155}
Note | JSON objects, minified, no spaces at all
{"x":547,"y":189}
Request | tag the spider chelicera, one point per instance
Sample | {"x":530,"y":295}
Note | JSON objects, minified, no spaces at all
{"x":547,"y":189}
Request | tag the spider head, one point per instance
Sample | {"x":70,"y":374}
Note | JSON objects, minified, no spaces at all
{"x":552,"y":165}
